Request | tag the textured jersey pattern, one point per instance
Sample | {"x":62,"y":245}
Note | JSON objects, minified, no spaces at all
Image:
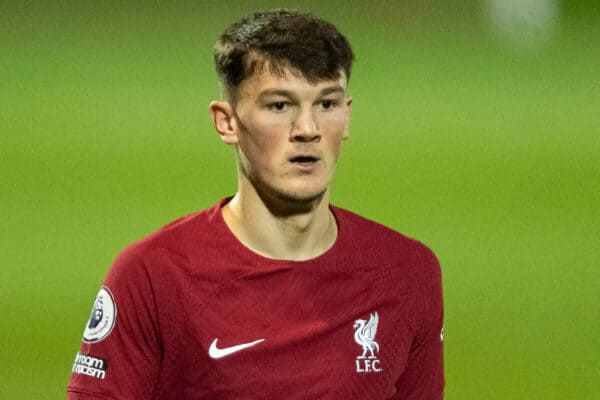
{"x":202,"y":317}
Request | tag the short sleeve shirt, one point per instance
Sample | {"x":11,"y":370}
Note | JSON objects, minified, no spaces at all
{"x":190,"y":313}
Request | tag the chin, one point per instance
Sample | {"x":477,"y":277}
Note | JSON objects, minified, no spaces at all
{"x":298,"y":194}
{"x":303,"y":188}
{"x":287,"y":202}
{"x":301,"y":196}
{"x":302,"y":199}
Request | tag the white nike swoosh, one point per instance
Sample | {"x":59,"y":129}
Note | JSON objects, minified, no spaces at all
{"x":215,"y":352}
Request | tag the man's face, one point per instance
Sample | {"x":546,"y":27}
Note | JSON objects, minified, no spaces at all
{"x":289,"y":133}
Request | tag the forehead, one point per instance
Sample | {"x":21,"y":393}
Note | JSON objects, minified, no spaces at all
{"x":265,"y":81}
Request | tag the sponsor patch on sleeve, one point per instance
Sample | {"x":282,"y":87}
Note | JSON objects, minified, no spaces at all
{"x":91,"y":366}
{"x":102,"y":318}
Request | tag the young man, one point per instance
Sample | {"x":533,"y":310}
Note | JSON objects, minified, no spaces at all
{"x":273,"y":293}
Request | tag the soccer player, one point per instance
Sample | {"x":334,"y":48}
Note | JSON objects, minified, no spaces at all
{"x":273,"y":293}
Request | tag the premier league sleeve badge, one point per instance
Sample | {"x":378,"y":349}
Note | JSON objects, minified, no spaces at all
{"x":102,"y":318}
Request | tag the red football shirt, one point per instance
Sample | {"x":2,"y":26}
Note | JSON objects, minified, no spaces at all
{"x":190,"y":313}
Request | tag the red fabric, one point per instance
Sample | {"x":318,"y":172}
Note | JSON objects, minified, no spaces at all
{"x":192,"y":282}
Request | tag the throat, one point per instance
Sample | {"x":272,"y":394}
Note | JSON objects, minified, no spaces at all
{"x":297,"y":237}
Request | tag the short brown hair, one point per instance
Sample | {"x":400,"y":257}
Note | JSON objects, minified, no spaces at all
{"x":281,"y":39}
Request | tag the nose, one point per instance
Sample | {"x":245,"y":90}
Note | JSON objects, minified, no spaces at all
{"x":305,"y":127}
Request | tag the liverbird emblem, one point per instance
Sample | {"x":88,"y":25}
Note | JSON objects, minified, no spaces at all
{"x":365,"y":335}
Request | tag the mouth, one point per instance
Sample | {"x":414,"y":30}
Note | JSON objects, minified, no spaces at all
{"x":304,"y":159}
{"x":305,"y":163}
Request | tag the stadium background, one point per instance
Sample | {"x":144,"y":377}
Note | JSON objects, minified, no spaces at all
{"x":475,"y":129}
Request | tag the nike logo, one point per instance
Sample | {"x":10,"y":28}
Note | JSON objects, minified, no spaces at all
{"x":215,"y":352}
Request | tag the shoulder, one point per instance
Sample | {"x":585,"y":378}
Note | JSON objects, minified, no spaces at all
{"x":175,"y":240}
{"x":368,"y":234}
{"x":390,"y":258}
{"x":402,"y":266}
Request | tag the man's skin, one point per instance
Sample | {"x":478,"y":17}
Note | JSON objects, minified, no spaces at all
{"x":287,"y":134}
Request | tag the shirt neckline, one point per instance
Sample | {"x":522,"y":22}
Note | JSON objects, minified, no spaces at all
{"x":246,"y":252}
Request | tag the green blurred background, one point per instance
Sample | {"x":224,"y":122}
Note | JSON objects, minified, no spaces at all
{"x":475,"y":128}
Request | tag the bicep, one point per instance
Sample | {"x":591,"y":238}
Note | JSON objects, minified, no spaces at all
{"x":423,"y":377}
{"x":120,"y":354}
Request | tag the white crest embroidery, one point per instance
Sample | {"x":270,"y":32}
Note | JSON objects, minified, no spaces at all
{"x":103,"y":317}
{"x":364,"y":336}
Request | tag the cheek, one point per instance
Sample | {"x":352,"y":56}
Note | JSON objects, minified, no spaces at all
{"x":336,"y":150}
{"x":334,"y":138}
{"x":333,"y":123}
{"x":333,"y":130}
{"x":260,"y":144}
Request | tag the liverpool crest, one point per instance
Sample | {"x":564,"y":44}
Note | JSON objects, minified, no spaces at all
{"x":364,"y":336}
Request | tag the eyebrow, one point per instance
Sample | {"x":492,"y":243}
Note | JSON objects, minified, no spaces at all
{"x":332,"y":89}
{"x":290,"y":95}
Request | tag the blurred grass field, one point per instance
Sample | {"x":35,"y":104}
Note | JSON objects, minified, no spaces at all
{"x":487,"y":152}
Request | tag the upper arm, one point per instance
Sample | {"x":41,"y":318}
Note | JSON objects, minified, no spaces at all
{"x":423,"y":377}
{"x":119,"y":361}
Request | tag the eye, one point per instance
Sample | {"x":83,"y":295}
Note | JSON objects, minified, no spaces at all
{"x":277,"y":106}
{"x":328,"y":104}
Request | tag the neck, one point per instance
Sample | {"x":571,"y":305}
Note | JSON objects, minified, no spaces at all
{"x":281,"y":229}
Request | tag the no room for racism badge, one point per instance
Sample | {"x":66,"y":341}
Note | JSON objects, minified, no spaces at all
{"x":102,"y":318}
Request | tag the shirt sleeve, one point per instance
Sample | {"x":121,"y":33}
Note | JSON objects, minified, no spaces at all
{"x":120,"y":353}
{"x":423,"y":378}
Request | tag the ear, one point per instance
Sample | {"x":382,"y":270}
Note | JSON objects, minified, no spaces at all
{"x":346,"y":133}
{"x":221,"y":114}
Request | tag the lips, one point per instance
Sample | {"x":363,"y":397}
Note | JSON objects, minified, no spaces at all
{"x":303,"y":159}
{"x":305,"y":163}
